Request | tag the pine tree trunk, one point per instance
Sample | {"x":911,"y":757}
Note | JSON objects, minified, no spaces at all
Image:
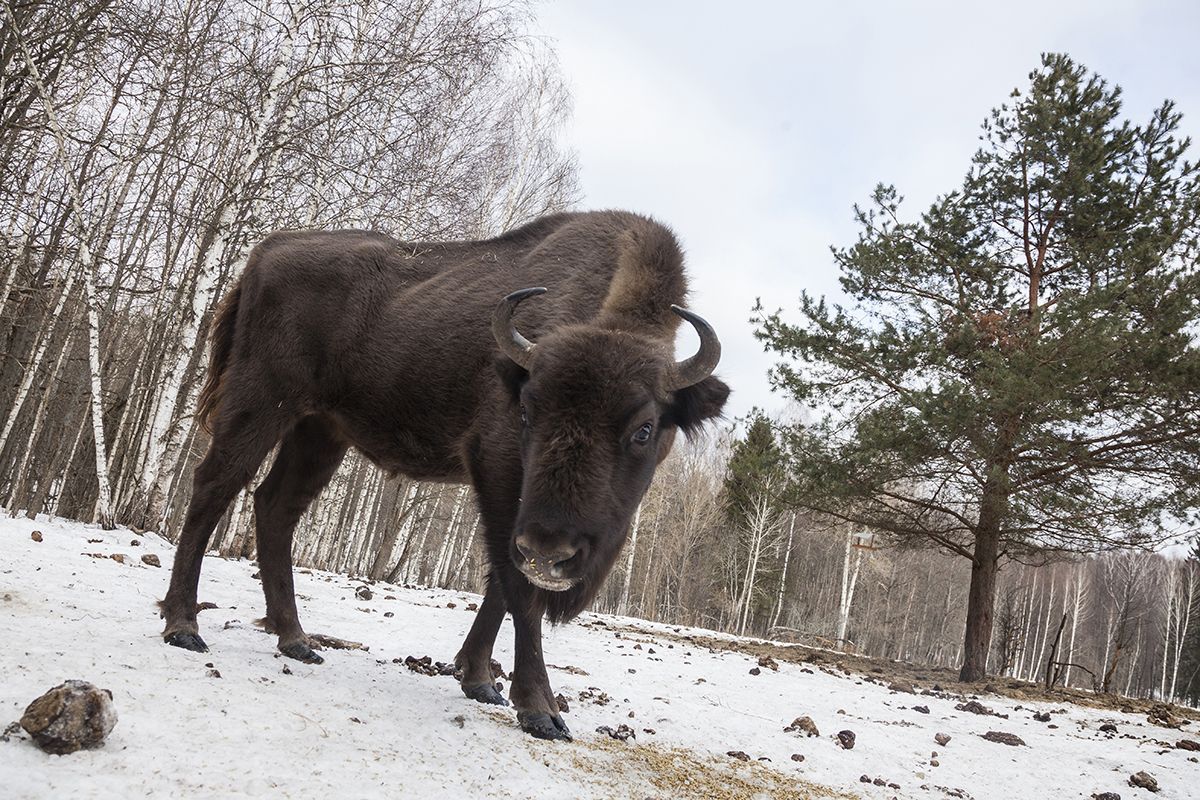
{"x":981,"y":597}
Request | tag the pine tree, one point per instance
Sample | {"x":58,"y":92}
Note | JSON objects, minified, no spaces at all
{"x":756,"y":461}
{"x":752,"y":503}
{"x":1016,"y":372}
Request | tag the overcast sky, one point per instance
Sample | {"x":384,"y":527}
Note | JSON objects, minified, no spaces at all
{"x":751,"y":128}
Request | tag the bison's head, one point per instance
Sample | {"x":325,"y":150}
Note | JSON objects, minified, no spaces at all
{"x":598,"y":409}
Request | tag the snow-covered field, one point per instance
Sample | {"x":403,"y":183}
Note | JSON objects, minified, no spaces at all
{"x":362,"y":725}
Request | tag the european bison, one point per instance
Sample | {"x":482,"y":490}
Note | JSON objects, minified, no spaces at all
{"x":422,"y":356}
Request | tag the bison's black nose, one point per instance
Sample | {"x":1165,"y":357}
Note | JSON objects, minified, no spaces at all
{"x":549,"y":560}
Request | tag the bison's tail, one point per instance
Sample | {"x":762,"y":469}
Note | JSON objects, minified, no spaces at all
{"x":222,"y":346}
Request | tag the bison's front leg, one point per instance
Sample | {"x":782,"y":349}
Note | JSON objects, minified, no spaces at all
{"x":475,"y":657}
{"x":537,"y":710}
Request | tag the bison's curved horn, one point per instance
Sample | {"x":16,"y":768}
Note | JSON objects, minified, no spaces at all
{"x":700,"y":366}
{"x":511,"y":342}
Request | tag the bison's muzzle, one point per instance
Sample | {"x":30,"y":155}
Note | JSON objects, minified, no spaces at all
{"x":553,"y":567}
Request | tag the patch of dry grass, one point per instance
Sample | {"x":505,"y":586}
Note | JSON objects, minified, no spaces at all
{"x":637,"y":770}
{"x":678,"y":773}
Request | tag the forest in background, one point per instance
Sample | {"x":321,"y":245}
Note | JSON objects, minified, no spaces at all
{"x":146,"y":146}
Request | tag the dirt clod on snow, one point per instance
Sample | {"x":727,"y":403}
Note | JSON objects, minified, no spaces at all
{"x":1144,"y":780}
{"x":803,"y":724}
{"x":71,"y":716}
{"x":1000,"y":737}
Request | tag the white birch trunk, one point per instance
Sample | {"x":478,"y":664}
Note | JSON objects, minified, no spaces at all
{"x":623,"y":605}
{"x":1036,"y":665}
{"x":1026,"y":617}
{"x":35,"y":363}
{"x":416,"y":556}
{"x":443,"y":558}
{"x":1109,"y":630}
{"x":466,"y":554}
{"x":746,"y":603}
{"x":39,"y":419}
{"x":1169,"y":590}
{"x":787,"y":557}
{"x":649,"y":565}
{"x":1190,"y":579}
{"x":54,"y":509}
{"x":11,"y":226}
{"x":1137,"y":652}
{"x":365,"y":12}
{"x":761,"y":524}
{"x":849,"y":582}
{"x":383,"y":554}
{"x":1076,"y":608}
{"x":87,"y":268}
{"x":166,"y":429}
{"x":748,"y":584}
{"x":907,"y":618}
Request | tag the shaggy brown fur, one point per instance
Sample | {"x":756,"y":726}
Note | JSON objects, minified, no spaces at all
{"x":345,"y":339}
{"x":222,"y":344}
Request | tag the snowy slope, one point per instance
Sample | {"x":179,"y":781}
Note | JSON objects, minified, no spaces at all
{"x":361,"y":725}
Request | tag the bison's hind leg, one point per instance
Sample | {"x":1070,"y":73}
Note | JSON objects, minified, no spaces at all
{"x":308,"y":457}
{"x":241,"y":440}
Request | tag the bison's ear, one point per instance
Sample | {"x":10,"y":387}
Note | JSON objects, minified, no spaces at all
{"x":693,"y":405}
{"x":512,"y":375}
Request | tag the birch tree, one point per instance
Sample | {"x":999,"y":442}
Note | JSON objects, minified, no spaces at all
{"x":87,"y":268}
{"x":849,"y":582}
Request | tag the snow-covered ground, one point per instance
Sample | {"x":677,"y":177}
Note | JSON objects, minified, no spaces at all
{"x":362,"y":725}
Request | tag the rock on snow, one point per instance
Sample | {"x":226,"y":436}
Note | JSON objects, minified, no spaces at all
{"x":70,"y":717}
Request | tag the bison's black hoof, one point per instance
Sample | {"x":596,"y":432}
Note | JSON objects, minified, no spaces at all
{"x":301,"y":652}
{"x":544,"y":726}
{"x":188,"y":641}
{"x":485,"y":693}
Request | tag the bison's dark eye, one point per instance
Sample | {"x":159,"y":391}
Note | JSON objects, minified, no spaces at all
{"x":524,"y":416}
{"x":643,"y":433}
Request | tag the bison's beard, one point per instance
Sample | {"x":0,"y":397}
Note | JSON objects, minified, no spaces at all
{"x":563,"y":605}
